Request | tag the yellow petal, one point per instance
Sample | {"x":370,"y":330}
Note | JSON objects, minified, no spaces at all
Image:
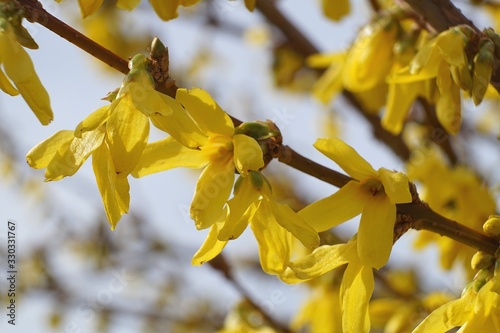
{"x":6,"y":86}
{"x":167,"y":154}
{"x":127,"y":4}
{"x":212,"y":191}
{"x":295,"y":224}
{"x":205,"y":111}
{"x":451,"y":44}
{"x":71,"y":155}
{"x":250,"y":4}
{"x":88,"y":7}
{"x":335,"y":9}
{"x":323,"y":259}
{"x":449,"y":109}
{"x":322,"y":60}
{"x":127,"y":135}
{"x":166,"y":10}
{"x":176,"y":121}
{"x":274,"y":241}
{"x":447,"y":316}
{"x":396,"y":186}
{"x":399,"y":101}
{"x":342,"y":206}
{"x":19,"y":68}
{"x":210,"y":248}
{"x":355,"y":292}
{"x":346,"y":157}
{"x":93,"y":121}
{"x":330,"y":83}
{"x":114,"y":192}
{"x":376,"y":229}
{"x":247,"y":154}
{"x":40,"y":156}
{"x":236,"y":222}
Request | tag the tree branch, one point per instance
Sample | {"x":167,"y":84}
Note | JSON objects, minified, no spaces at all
{"x":36,"y":13}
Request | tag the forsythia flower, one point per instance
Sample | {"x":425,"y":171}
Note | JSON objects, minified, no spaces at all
{"x":115,"y":136}
{"x":357,"y":283}
{"x":456,"y":193}
{"x":335,"y":9}
{"x":244,"y":318}
{"x":442,"y":58}
{"x":372,"y":193}
{"x":19,"y":68}
{"x":273,"y":224}
{"x":217,"y":148}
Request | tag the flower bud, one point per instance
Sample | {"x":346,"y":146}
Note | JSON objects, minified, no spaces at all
{"x":492,"y":226}
{"x":482,"y":260}
{"x":483,"y":67}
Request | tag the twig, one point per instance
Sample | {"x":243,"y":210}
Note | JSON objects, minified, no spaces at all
{"x":36,"y":13}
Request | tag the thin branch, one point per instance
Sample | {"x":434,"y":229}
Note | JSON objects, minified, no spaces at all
{"x":375,"y":5}
{"x":36,"y":13}
{"x":220,"y":263}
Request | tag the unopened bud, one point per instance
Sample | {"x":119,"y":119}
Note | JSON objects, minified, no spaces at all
{"x":483,"y":68}
{"x":492,"y":226}
{"x":482,"y":260}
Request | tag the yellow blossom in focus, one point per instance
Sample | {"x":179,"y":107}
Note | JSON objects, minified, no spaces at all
{"x":476,"y":311}
{"x":19,"y":69}
{"x":274,"y":225}
{"x":374,"y":194}
{"x":207,"y":141}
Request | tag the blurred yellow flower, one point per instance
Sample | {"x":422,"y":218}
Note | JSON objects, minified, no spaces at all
{"x":19,"y":68}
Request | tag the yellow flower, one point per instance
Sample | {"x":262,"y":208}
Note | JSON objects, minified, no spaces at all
{"x":330,"y":83}
{"x":357,"y":283}
{"x":167,"y":10}
{"x":19,"y":68}
{"x":374,"y":45}
{"x":335,"y":10}
{"x":215,"y":146}
{"x":440,"y":58}
{"x":273,"y":224}
{"x":475,"y":311}
{"x":372,"y":193}
{"x":322,"y":313}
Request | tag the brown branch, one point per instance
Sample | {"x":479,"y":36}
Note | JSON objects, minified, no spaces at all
{"x":36,"y":13}
{"x":220,"y":263}
{"x":375,"y":5}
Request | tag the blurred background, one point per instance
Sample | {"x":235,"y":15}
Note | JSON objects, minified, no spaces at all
{"x":75,"y":275}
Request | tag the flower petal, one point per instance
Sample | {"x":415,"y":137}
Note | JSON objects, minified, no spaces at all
{"x":346,"y":157}
{"x":6,"y":85}
{"x":89,"y":7}
{"x":376,"y":229}
{"x":355,"y":292}
{"x":93,"y":121}
{"x":71,"y":155}
{"x":295,"y":224}
{"x":114,"y":192}
{"x":237,"y":219}
{"x":127,"y":135}
{"x":167,"y":154}
{"x":274,"y":241}
{"x":212,"y":191}
{"x":247,"y":154}
{"x":331,"y":211}
{"x":396,"y":186}
{"x":210,"y":248}
{"x":40,"y":156}
{"x":323,"y":259}
{"x":207,"y":113}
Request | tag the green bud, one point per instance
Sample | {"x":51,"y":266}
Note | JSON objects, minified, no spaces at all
{"x":483,"y":68}
{"x":492,"y":226}
{"x":482,"y":260}
{"x":483,"y":276}
{"x":257,"y":179}
{"x":139,"y":61}
{"x":111,"y":96}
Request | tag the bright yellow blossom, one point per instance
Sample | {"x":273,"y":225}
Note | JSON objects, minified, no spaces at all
{"x":19,"y":68}
{"x":215,"y":147}
{"x":372,"y":193}
{"x":115,"y":136}
{"x":273,"y":224}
